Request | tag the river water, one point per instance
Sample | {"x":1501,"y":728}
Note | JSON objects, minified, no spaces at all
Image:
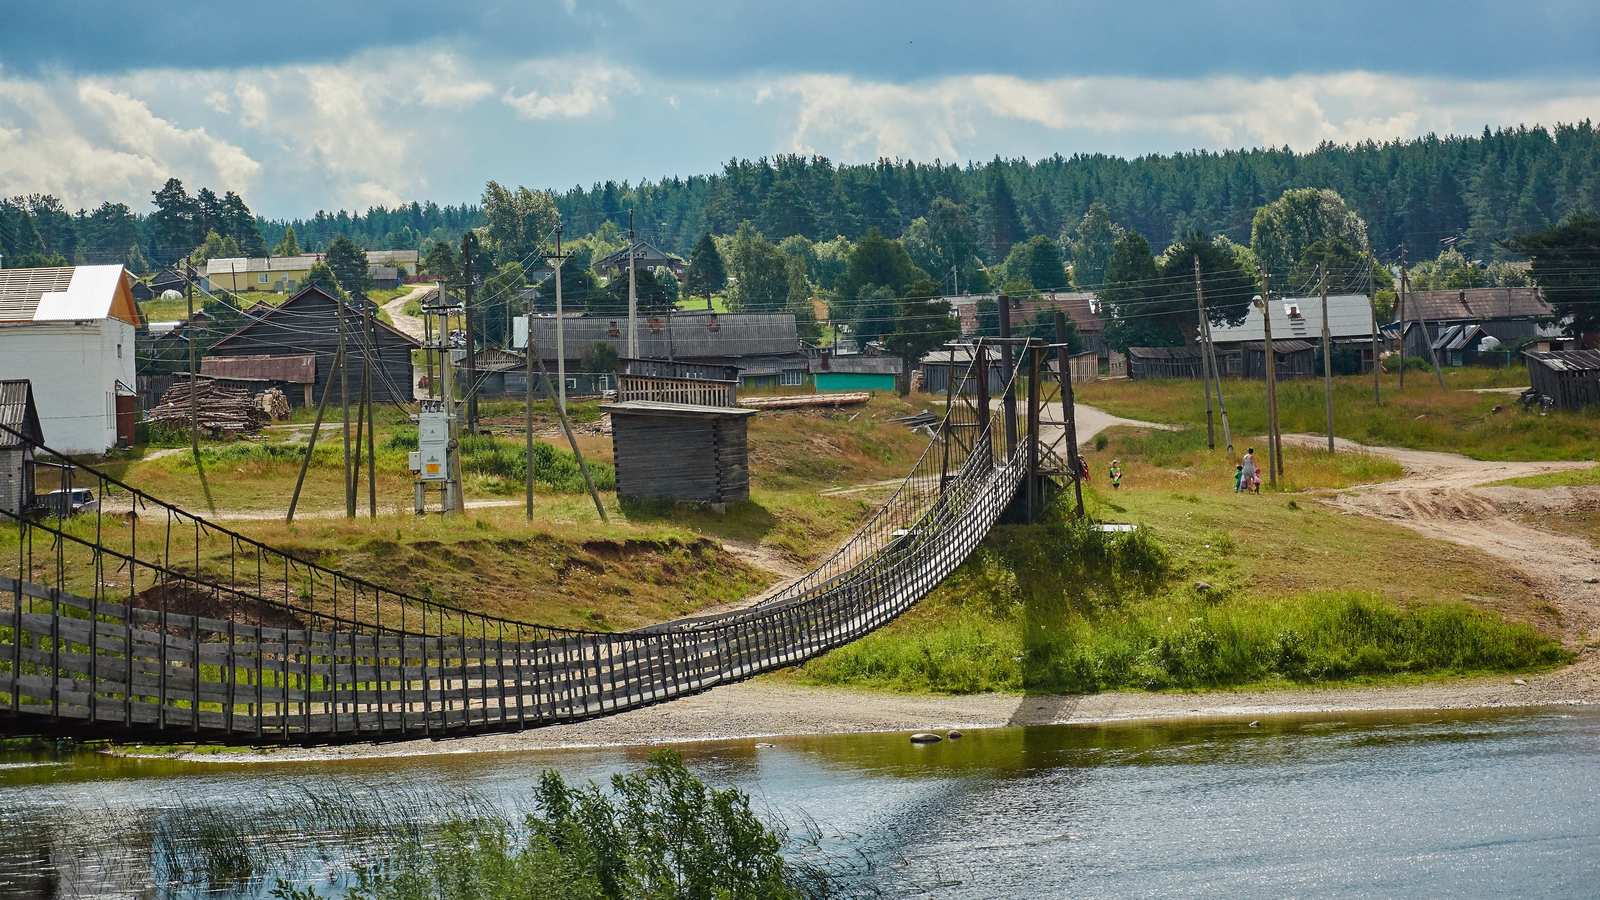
{"x":1477,"y":804}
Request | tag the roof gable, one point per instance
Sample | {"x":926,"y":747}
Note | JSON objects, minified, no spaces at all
{"x":275,"y":318}
{"x":67,"y":294}
{"x":1349,"y":316}
{"x":1478,"y":303}
{"x":18,"y":413}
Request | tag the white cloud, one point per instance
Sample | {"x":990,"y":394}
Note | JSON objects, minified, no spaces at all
{"x":947,"y":117}
{"x":572,"y":90}
{"x":87,"y":141}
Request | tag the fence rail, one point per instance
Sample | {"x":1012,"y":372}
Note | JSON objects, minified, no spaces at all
{"x":145,"y":620}
{"x":695,"y":391}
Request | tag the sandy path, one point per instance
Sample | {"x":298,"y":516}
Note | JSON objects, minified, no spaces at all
{"x":411,"y":325}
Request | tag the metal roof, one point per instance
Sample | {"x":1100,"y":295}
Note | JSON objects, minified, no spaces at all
{"x":1566,"y":360}
{"x":858,"y":365}
{"x":1280,"y":347}
{"x":1349,"y":315}
{"x":296,"y":369}
{"x":228,"y":265}
{"x":59,"y":293}
{"x":1184,"y":353}
{"x":1478,"y":304}
{"x":658,"y":408}
{"x":692,"y":335}
{"x":18,"y":413}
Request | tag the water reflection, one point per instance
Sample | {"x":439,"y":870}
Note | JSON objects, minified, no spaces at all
{"x":1412,"y":805}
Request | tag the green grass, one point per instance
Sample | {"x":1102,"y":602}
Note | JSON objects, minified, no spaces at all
{"x":1565,"y":478}
{"x":719,"y":303}
{"x":1482,"y":426}
{"x":1060,"y":608}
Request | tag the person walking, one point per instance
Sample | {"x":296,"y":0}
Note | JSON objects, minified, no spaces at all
{"x":1116,"y":474}
{"x":1238,"y":478}
{"x":1247,"y":470}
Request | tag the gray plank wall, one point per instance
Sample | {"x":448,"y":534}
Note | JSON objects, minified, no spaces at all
{"x":703,"y":459}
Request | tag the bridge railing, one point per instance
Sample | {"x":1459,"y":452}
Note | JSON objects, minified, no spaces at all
{"x":141,"y":617}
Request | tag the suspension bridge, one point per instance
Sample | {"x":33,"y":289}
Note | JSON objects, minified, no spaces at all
{"x":157,"y":624}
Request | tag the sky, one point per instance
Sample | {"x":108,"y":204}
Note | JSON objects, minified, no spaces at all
{"x":301,"y":106}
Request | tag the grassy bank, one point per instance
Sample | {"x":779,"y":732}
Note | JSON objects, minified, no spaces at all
{"x":1479,"y":425}
{"x":1063,"y":608}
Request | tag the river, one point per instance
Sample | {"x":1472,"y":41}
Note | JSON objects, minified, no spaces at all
{"x":1458,"y":804}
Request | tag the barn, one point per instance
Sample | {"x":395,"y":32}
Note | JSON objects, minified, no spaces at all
{"x":676,"y":436}
{"x":18,"y":438}
{"x":308,"y":324}
{"x":1570,"y":378}
{"x":841,"y":374}
{"x":1164,"y":362}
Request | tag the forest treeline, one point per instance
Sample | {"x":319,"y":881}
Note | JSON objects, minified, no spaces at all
{"x":1481,"y":189}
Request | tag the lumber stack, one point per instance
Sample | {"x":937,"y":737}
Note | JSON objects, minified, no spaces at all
{"x":219,"y":410}
{"x":274,"y":404}
{"x":801,"y":401}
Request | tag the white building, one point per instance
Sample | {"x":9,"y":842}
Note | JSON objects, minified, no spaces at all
{"x":70,"y":331}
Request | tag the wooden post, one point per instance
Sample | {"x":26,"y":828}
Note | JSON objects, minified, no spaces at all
{"x":1327,"y":358}
{"x":1068,"y":406}
{"x":1372,"y":307}
{"x":194,"y":386}
{"x":1034,"y":495}
{"x":1400,"y":315}
{"x":1206,"y":372}
{"x":1433,"y":355}
{"x":316,"y":428}
{"x":344,"y":404}
{"x":1216,"y":371}
{"x":472,"y":350}
{"x":949,"y":410}
{"x":527,"y":411}
{"x":1272,"y":379}
{"x":572,"y":441}
{"x":980,"y":366}
{"x":1008,"y":403}
{"x":372,"y":415}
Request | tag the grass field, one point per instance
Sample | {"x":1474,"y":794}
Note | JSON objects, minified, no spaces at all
{"x":1479,"y":425}
{"x":1589,"y":477}
{"x":1216,"y":589}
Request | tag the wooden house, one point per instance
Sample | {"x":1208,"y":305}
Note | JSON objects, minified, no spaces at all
{"x":20,"y":434}
{"x":679,"y":438}
{"x":1299,"y":319}
{"x":294,"y":374}
{"x":941,"y":365}
{"x":1514,"y":317}
{"x":1164,"y":362}
{"x":1570,"y":378}
{"x":308,"y":323}
{"x":646,"y":256}
{"x":504,"y":373}
{"x":71,"y":330}
{"x":764,"y":347}
{"x":842,"y":374}
{"x":1296,"y":359}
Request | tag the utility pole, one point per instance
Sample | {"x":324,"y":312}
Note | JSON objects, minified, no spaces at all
{"x":466,"y":310}
{"x":372,"y":415}
{"x":633,"y":295}
{"x":453,"y":499}
{"x":1273,"y":450}
{"x":1327,"y":357}
{"x":194,"y":385}
{"x":561,"y":338}
{"x":1008,"y":403}
{"x":311,"y":446}
{"x":1433,"y":355}
{"x":1400,"y":315}
{"x":527,"y":407}
{"x":344,"y":404}
{"x":1372,"y":306}
{"x":1216,"y":370}
{"x":1205,"y":358}
{"x":1068,"y":406}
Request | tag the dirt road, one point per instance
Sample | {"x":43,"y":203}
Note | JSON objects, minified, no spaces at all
{"x":411,"y":325}
{"x":1445,"y":496}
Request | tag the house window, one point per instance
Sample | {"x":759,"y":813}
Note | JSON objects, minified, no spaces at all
{"x":605,"y":382}
{"x":572,"y":384}
{"x":264,"y":278}
{"x":792,"y":377}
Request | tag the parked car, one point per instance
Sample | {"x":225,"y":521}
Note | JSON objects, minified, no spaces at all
{"x":66,"y":502}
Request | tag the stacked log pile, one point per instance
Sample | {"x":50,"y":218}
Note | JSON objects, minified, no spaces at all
{"x":801,"y":401}
{"x":274,"y":403}
{"x":219,"y":410}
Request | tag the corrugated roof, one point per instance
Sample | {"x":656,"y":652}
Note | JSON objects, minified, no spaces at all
{"x":268,"y":318}
{"x":1477,"y":304}
{"x":243,"y":264}
{"x":858,"y":365}
{"x":1280,"y":347}
{"x":1567,"y":360}
{"x":58,"y":293}
{"x":693,"y":335}
{"x":1180,"y":353}
{"x":18,"y":414}
{"x":1080,"y":307}
{"x":658,"y":408}
{"x":1349,"y":316}
{"x":295,"y":369}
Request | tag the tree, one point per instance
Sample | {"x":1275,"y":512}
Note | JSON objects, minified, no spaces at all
{"x":517,"y":221}
{"x":172,"y":225}
{"x":1228,"y":286}
{"x":1283,"y":229}
{"x":920,"y":326}
{"x":651,"y":295}
{"x":288,"y":246}
{"x":500,"y":300}
{"x":799,"y":300}
{"x":439,"y":261}
{"x":786,"y":211}
{"x":876,"y":312}
{"x":237,"y":222}
{"x":1565,"y":260}
{"x":349,"y":265}
{"x":1138,"y":312}
{"x":322,"y":276}
{"x":1004,"y":220}
{"x":135,"y":261}
{"x":706,"y":274}
{"x":758,"y":271}
{"x":944,"y":242}
{"x":215,"y":246}
{"x":1036,"y":263}
{"x":1091,"y":244}
{"x":876,"y":261}
{"x":600,"y":357}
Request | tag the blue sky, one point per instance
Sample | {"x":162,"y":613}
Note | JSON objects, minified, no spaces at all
{"x":300,"y":105}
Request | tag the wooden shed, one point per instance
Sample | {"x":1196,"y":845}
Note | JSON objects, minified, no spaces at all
{"x":1570,"y":378}
{"x":1164,"y":362}
{"x":1296,"y":359}
{"x":680,"y":451}
{"x":18,"y":438}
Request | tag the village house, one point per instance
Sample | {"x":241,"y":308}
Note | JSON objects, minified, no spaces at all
{"x":18,"y":437}
{"x":1470,"y":325}
{"x":272,"y":346}
{"x":1297,"y":338}
{"x":286,"y":274}
{"x":71,"y":331}
{"x":1082,"y":309}
{"x":764,"y":347}
{"x":647,"y":256}
{"x":1570,"y":378}
{"x":842,"y":374}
